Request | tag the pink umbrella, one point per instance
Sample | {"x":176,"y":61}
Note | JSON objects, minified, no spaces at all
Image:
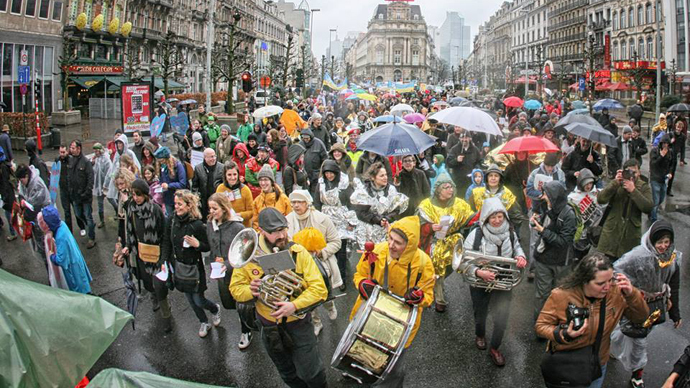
{"x":414,"y":118}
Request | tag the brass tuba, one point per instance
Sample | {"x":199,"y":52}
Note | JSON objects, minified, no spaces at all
{"x":508,"y":275}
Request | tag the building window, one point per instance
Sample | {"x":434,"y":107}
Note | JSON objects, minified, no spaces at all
{"x":648,"y":9}
{"x":624,"y":50}
{"x":30,"y":8}
{"x":397,"y":76}
{"x":16,"y":6}
{"x":631,"y":47}
{"x":380,"y":16}
{"x":615,"y":21}
{"x":650,"y":48}
{"x":631,"y":17}
{"x":614,"y":52}
{"x":3,"y":5}
{"x":397,"y":57}
{"x":640,"y":16}
{"x":43,"y":10}
{"x":640,"y":48}
{"x":379,"y":56}
{"x":415,"y":57}
{"x":622,"y":19}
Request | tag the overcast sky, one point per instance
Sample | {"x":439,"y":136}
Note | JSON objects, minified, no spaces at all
{"x":353,"y":15}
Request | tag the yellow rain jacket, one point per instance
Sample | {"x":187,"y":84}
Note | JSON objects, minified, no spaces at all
{"x":314,"y":292}
{"x":442,"y":250}
{"x":397,"y":270}
{"x":479,"y":194}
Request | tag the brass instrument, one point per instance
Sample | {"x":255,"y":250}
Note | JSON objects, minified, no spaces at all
{"x":508,"y":275}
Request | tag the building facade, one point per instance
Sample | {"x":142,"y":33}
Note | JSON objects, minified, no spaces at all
{"x":454,"y":39}
{"x":567,"y":32}
{"x":677,"y":36}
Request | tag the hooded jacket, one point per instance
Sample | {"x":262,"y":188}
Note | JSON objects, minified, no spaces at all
{"x":67,"y":253}
{"x":345,"y":164}
{"x":660,"y":166}
{"x":321,"y":133}
{"x":557,"y":236}
{"x":35,"y":192}
{"x":421,"y":270}
{"x":240,"y":162}
{"x":36,"y":161}
{"x":315,"y":154}
{"x":115,"y":167}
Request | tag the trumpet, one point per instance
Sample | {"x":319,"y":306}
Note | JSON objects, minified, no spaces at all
{"x":508,"y":275}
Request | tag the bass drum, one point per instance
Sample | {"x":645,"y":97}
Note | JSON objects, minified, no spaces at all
{"x":375,"y":339}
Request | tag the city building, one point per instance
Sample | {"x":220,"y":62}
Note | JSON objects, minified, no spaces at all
{"x":454,"y":39}
{"x":529,"y":41}
{"x":435,"y":34}
{"x":31,"y":30}
{"x":498,"y":42}
{"x":567,"y":32}
{"x":398,"y":46}
{"x":677,"y":47}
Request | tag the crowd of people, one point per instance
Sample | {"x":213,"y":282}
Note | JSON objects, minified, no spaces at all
{"x":571,"y":220}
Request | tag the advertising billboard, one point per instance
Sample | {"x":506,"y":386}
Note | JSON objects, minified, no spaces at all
{"x":136,"y":106}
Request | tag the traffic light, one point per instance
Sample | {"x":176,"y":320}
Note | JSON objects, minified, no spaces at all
{"x":300,"y":78}
{"x":247,"y":82}
{"x":37,"y":89}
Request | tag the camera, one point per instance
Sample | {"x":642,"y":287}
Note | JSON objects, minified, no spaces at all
{"x":577,"y":315}
{"x":628,"y":174}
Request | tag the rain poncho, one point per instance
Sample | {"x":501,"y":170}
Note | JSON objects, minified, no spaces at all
{"x":377,"y":204}
{"x":101,"y":167}
{"x":115,"y":167}
{"x":35,"y":192}
{"x":586,"y":201}
{"x":345,"y":220}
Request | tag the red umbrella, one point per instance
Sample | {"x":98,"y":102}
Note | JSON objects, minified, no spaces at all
{"x":529,"y":144}
{"x":513,"y":102}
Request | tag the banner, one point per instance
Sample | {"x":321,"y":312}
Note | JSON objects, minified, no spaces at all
{"x":607,"y":51}
{"x":136,"y":106}
{"x":328,"y":82}
{"x":54,"y":182}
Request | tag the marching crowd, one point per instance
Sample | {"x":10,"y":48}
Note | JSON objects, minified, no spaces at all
{"x":572,"y":220}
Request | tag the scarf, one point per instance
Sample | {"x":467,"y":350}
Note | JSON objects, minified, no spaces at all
{"x":497,"y":235}
{"x":145,"y":225}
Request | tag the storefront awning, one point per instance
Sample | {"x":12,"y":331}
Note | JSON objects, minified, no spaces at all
{"x":87,"y":82}
{"x":172,"y":85}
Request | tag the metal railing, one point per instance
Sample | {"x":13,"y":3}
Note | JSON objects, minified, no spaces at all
{"x":568,"y":7}
{"x":568,"y":22}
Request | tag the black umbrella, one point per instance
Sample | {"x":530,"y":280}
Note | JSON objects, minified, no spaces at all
{"x":595,"y":133}
{"x":457,"y":101}
{"x":635,"y":111}
{"x":681,"y":107}
{"x":131,"y":294}
{"x":571,"y":119}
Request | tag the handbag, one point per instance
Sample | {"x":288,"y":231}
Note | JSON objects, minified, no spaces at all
{"x":577,"y":367}
{"x":657,"y":315}
{"x":149,"y":253}
{"x":186,"y":277}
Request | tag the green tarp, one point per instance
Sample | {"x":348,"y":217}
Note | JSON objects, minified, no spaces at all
{"x":116,"y":378}
{"x":87,"y":82}
{"x":51,"y":337}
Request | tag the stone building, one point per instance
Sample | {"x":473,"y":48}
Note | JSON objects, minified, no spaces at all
{"x":567,"y":31}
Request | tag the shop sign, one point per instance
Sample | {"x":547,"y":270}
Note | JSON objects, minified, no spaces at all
{"x":91,"y":69}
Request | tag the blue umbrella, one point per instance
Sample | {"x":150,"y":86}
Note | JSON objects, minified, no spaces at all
{"x":578,"y":104}
{"x":608,"y":103}
{"x":185,"y":102}
{"x":387,"y":119}
{"x":395,"y":139}
{"x":582,"y":111}
{"x":532,"y":105}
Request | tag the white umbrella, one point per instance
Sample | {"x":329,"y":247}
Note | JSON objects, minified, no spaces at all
{"x":401,"y":109}
{"x":267,"y":111}
{"x":472,"y":119}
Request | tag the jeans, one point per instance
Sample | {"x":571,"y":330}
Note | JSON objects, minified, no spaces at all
{"x":500,"y":311}
{"x":341,"y":256}
{"x":546,"y":277}
{"x":83,"y":211}
{"x":658,"y":196}
{"x":199,"y":302}
{"x":67,"y":209}
{"x":299,"y":365}
{"x":600,"y":381}
{"x":8,"y":215}
{"x":113,"y":203}
{"x":100,"y":199}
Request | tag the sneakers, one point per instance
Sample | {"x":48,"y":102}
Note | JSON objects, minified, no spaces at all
{"x":216,"y":316}
{"x":203,"y":330}
{"x":100,"y":225}
{"x":318,"y":326}
{"x":82,"y":233}
{"x":636,"y":379}
{"x":90,"y":244}
{"x":332,"y":313}
{"x":12,"y":237}
{"x":245,"y":340}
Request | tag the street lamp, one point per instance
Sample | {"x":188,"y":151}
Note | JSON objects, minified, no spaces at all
{"x":671,"y":76}
{"x":311,"y":29}
{"x":590,"y":55}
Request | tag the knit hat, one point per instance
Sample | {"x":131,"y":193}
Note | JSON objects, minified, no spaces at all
{"x":162,"y":153}
{"x":551,"y":159}
{"x":226,"y":128}
{"x":266,"y":172}
{"x":660,"y":229}
{"x":294,"y":152}
{"x":271,"y":220}
{"x":196,"y":136}
{"x":627,"y":129}
{"x":141,"y":186}
{"x":98,"y":146}
{"x":301,"y":196}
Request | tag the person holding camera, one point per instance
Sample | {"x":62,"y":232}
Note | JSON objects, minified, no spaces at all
{"x":661,"y":162}
{"x":578,"y":319}
{"x":627,"y":197}
{"x":680,"y":376}
{"x":654,"y":268}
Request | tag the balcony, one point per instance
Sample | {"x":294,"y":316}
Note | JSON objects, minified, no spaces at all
{"x":567,"y":23}
{"x":568,"y":58}
{"x":568,"y":7}
{"x":567,"y":38}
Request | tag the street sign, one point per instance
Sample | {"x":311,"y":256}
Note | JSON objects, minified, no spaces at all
{"x":581,"y":84}
{"x":23,"y":58}
{"x":23,"y":88}
{"x":265,"y":81}
{"x":24,"y":76}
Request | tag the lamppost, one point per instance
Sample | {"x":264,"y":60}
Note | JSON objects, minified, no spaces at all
{"x":590,"y":55}
{"x":671,"y":75}
{"x":658,"y":58}
{"x":541,"y":70}
{"x":230,"y":105}
{"x":311,"y":29}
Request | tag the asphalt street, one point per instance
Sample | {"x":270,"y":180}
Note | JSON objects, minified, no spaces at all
{"x":443,"y":353}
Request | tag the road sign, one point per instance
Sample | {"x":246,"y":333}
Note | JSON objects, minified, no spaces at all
{"x":23,"y":58}
{"x":581,"y":84}
{"x":23,"y":88}
{"x":24,"y":76}
{"x":265,"y":81}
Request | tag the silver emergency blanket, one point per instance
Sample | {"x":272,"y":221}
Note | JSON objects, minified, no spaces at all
{"x":344,"y":219}
{"x":380,"y":204}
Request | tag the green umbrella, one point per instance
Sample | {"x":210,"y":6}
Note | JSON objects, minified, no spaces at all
{"x":51,"y":337}
{"x":116,"y":378}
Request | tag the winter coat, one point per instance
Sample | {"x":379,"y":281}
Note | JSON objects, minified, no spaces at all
{"x":156,"y":193}
{"x":251,"y":171}
{"x":101,"y":167}
{"x":365,"y":162}
{"x":243,"y":132}
{"x":81,"y":180}
{"x":241,"y":162}
{"x":321,"y":133}
{"x":316,"y":153}
{"x":345,"y":163}
{"x":224,"y":149}
{"x":35,"y":193}
{"x":460,"y":170}
{"x":293,"y":175}
{"x":576,"y":161}
{"x":115,"y":167}
{"x":178,"y":182}
{"x":325,"y":225}
{"x":6,"y":186}
{"x":415,"y":185}
{"x":533,"y":193}
{"x":373,"y":205}
{"x":660,"y":166}
{"x":623,"y":225}
{"x":615,"y":155}
{"x":557,"y":237}
{"x":280,"y":152}
{"x":174,"y":251}
{"x":206,"y":180}
{"x":36,"y":161}
{"x":474,"y":185}
{"x":264,"y":200}
{"x":145,"y":224}
{"x":213,"y":133}
{"x":6,"y":145}
{"x":138,"y":150}
{"x":639,"y":148}
{"x":220,"y":237}
{"x":242,"y":201}
{"x":678,"y":145}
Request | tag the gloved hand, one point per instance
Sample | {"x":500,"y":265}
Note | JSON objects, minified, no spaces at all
{"x":366,"y":287}
{"x":414,"y":296}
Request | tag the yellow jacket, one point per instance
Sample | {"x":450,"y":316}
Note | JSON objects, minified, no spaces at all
{"x":314,"y":292}
{"x":264,"y":200}
{"x":397,"y":270}
{"x":479,"y":194}
{"x":243,"y":206}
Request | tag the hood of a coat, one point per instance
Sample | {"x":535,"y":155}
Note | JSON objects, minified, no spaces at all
{"x":330,"y":165}
{"x":659,"y":227}
{"x":30,"y":146}
{"x":586,"y":176}
{"x":410,"y":226}
{"x":307,"y":132}
{"x":665,"y":138}
{"x":242,"y":147}
{"x":52,"y":217}
{"x":123,"y":139}
{"x":490,"y":206}
{"x":557,"y":195}
{"x":294,"y":152}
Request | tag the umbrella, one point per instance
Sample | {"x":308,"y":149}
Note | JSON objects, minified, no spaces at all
{"x":439,"y":103}
{"x":159,"y":93}
{"x":466,"y":103}
{"x":188,"y":101}
{"x":618,"y":86}
{"x":472,"y":119}
{"x":367,"y":97}
{"x":387,"y":119}
{"x":395,"y":139}
{"x":608,"y":103}
{"x":681,"y":107}
{"x":51,"y":337}
{"x":513,"y":102}
{"x":413,"y":118}
{"x":489,"y":112}
{"x":583,"y":111}
{"x":131,"y":293}
{"x":346,"y":91}
{"x":267,"y":111}
{"x":402,"y":108}
{"x":532,"y":104}
{"x":575,"y":118}
{"x":595,"y":133}
{"x":456,"y":101}
{"x":529,"y":144}
{"x":548,"y":91}
{"x":578,"y":104}
{"x":173,"y":99}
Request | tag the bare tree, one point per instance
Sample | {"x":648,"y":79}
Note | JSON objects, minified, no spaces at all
{"x":171,"y":59}
{"x":132,"y":60}
{"x":66,"y":61}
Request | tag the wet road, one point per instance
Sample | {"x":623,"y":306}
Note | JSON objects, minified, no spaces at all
{"x":442,"y":355}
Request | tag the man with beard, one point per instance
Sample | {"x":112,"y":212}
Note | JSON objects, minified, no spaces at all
{"x":462,"y":159}
{"x":289,"y":340}
{"x":207,"y":176}
{"x":64,"y":159}
{"x":81,"y":190}
{"x":138,"y":147}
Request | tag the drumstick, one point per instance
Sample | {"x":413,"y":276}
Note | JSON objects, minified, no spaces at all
{"x":428,"y":282}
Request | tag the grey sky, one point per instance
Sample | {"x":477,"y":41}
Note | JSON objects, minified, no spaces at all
{"x":353,"y":15}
